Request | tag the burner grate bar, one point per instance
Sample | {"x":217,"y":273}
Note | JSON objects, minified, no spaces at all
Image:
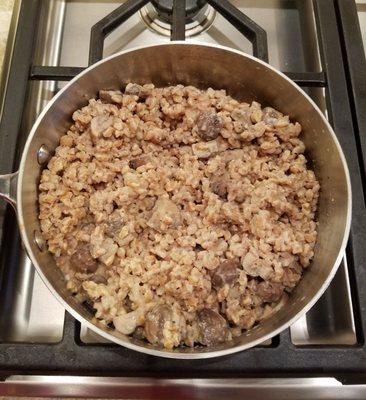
{"x":244,"y":25}
{"x":355,"y":64}
{"x":308,"y":79}
{"x":179,"y":20}
{"x":12,"y":111}
{"x":340,"y":116}
{"x":110,"y":22}
{"x":44,"y":73}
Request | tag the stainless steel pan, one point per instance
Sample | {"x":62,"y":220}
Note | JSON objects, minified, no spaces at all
{"x":245,"y":78}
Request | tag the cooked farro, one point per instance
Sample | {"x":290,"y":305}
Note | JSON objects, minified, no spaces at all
{"x":182,"y":215}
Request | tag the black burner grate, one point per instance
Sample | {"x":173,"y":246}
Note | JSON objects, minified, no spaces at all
{"x":108,"y":24}
{"x":344,"y":80}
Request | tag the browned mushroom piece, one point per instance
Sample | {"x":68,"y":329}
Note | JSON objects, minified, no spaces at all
{"x":154,"y":323}
{"x":99,"y":279}
{"x":165,"y":214}
{"x":139,"y":333}
{"x":290,"y":277}
{"x":242,"y":117}
{"x":127,"y":304}
{"x":100,"y":124}
{"x":253,"y":177}
{"x":252,"y":285}
{"x":269,"y":291}
{"x":270,"y":115}
{"x":137,"y":162}
{"x":133,"y":89}
{"x":226,"y":272}
{"x":247,"y":319}
{"x":219,"y":187}
{"x":213,"y":327}
{"x":111,"y":96}
{"x":233,"y":229}
{"x":82,"y":260}
{"x":113,"y":227}
{"x":209,"y":125}
{"x":88,"y":227}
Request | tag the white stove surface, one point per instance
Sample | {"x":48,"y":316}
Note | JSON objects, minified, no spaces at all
{"x":280,"y":19}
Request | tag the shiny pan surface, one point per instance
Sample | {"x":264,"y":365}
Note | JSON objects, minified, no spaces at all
{"x":243,"y":77}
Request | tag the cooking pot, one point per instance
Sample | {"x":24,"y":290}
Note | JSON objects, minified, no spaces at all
{"x":243,"y":77}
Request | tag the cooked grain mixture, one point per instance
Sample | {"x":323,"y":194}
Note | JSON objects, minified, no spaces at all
{"x":181,"y":215}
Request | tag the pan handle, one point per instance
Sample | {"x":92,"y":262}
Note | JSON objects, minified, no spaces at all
{"x":8,"y":188}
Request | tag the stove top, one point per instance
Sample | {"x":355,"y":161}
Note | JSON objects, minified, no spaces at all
{"x":316,"y":43}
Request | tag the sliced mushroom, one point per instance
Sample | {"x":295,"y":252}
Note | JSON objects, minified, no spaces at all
{"x":247,"y":319}
{"x":225,"y":273}
{"x":88,"y":304}
{"x":242,"y":118}
{"x":88,"y":228}
{"x":110,"y":248}
{"x":137,"y":162}
{"x":127,"y":323}
{"x":213,"y":327}
{"x":270,"y":115}
{"x":139,"y":333}
{"x":209,"y":125}
{"x":165,"y":214}
{"x":133,"y":89}
{"x":219,"y":186}
{"x":255,"y":266}
{"x":269,"y":291}
{"x":99,"y":279}
{"x":111,"y":96}
{"x":290,"y":277}
{"x":114,"y":226}
{"x":154,"y":323}
{"x":100,"y":124}
{"x":82,"y":260}
{"x":233,"y":229}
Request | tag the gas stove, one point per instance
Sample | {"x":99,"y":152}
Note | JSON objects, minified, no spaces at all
{"x":318,"y":44}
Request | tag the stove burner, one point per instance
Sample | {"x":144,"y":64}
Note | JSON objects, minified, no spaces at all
{"x":157,"y":15}
{"x":164,"y":8}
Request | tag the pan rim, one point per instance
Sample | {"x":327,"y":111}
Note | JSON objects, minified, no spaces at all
{"x":167,"y":353}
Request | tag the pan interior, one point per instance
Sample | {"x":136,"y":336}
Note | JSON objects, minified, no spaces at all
{"x":244,"y":78}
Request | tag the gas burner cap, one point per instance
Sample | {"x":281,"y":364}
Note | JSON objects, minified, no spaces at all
{"x":165,"y":8}
{"x":157,"y":16}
